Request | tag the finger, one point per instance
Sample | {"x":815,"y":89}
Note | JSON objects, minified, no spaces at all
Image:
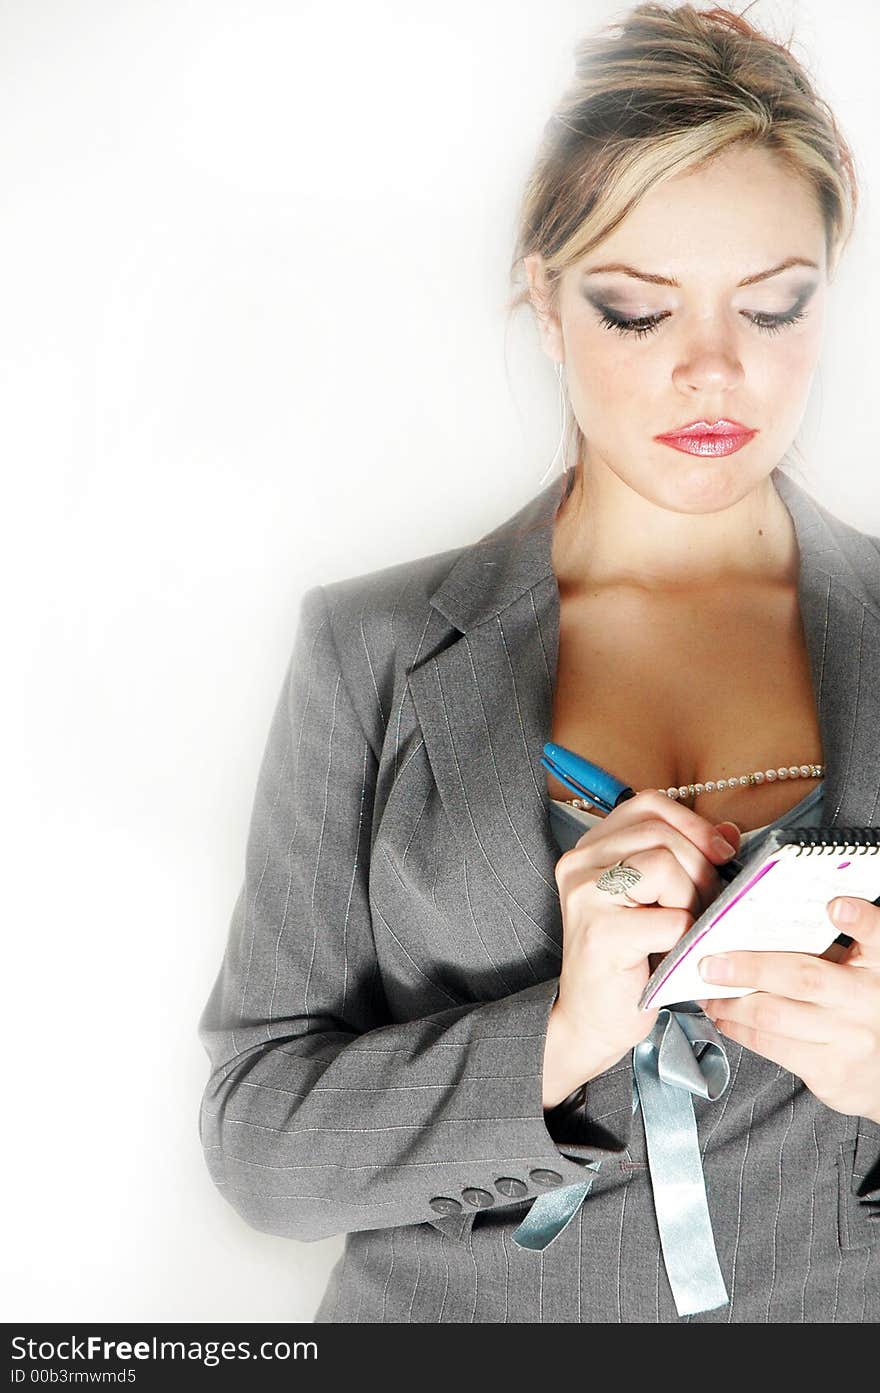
{"x":662,"y":880}
{"x":767,"y":1014}
{"x":864,"y":927}
{"x":599,"y":849}
{"x":652,"y":804}
{"x":625,"y":940}
{"x":799,"y":1057}
{"x":799,"y":976}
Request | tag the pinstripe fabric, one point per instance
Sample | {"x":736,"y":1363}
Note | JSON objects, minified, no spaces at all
{"x":376,"y":1030}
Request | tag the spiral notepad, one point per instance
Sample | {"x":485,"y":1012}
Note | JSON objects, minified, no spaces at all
{"x":779,"y":901}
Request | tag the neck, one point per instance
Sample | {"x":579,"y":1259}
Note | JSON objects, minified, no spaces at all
{"x":607,"y":534}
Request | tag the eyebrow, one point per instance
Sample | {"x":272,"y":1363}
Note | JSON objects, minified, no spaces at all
{"x":666,"y":280}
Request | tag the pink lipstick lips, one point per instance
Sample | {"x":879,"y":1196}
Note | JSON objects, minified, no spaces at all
{"x":721,"y":437}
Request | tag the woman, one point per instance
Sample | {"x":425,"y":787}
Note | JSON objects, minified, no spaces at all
{"x":425,"y":1029}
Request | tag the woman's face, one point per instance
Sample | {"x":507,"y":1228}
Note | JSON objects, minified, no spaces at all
{"x":713,"y":347}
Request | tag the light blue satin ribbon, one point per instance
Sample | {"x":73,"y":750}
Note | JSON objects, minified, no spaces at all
{"x":683,"y":1056}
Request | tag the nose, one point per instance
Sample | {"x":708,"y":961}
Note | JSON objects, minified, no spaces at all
{"x":710,"y":364}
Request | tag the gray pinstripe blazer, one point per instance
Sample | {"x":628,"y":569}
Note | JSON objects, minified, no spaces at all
{"x":376,"y":1031}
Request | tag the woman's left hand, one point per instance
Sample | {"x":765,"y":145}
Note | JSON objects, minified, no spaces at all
{"x":818,"y":1017}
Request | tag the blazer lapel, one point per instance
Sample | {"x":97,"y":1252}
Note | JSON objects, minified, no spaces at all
{"x":484,"y":702}
{"x":840,"y":610}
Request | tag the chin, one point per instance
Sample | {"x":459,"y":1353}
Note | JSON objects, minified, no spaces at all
{"x":707,"y":485}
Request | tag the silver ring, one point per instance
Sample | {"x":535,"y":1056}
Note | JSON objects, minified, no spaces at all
{"x":619,"y":879}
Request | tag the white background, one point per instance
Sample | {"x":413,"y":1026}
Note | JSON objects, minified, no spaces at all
{"x":254,"y":261}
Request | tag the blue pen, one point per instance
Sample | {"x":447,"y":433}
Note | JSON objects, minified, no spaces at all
{"x":604,"y":791}
{"x":589,"y":781}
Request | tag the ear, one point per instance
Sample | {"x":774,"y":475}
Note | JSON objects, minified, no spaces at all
{"x":549,"y":325}
{"x":832,"y":264}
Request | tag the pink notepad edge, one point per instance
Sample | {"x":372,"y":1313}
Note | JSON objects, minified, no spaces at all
{"x":710,"y":926}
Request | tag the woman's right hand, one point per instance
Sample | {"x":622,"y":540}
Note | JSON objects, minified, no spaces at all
{"x":607,"y":940}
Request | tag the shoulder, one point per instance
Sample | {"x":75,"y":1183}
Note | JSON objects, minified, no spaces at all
{"x":381,"y":625}
{"x":374,"y":627}
{"x":388,"y":609}
{"x":861,"y":552}
{"x":408,"y":606}
{"x":862,"y":549}
{"x":859,"y":544}
{"x":832,"y":545}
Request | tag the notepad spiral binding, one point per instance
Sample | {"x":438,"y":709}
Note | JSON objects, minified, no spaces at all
{"x":826,"y":841}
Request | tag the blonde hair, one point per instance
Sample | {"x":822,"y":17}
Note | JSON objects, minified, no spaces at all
{"x":660,"y":93}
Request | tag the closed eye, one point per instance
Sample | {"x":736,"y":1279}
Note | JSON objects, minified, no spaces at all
{"x":647,"y":324}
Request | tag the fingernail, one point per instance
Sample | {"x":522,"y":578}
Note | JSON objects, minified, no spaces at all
{"x":844,"y":912}
{"x":716,"y":969}
{"x":722,"y":847}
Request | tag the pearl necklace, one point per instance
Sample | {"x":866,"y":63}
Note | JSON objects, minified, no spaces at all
{"x":759,"y":776}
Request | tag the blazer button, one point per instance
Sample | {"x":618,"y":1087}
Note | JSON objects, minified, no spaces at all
{"x":509,"y":1185}
{"x":480,"y":1199}
{"x":547,"y":1178}
{"x":444,"y":1204}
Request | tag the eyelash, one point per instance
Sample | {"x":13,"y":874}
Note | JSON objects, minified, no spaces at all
{"x":770,"y":323}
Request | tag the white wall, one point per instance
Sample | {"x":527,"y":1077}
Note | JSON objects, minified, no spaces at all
{"x":254,"y":272}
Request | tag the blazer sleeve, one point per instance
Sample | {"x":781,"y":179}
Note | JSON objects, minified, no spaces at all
{"x":321,"y":1114}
